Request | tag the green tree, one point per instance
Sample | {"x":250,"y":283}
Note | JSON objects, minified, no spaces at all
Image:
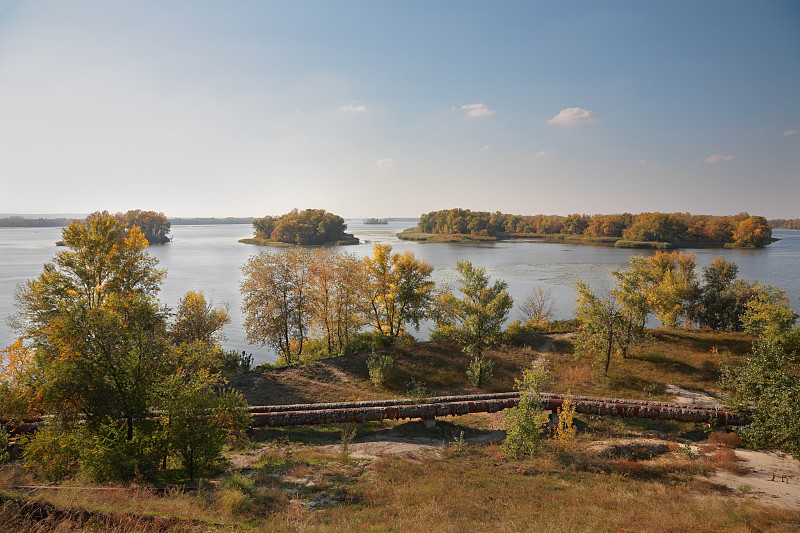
{"x":476,"y":319}
{"x":96,"y":353}
{"x":769,"y":315}
{"x":722,"y":297}
{"x":95,"y":325}
{"x":603,"y":325}
{"x":199,"y":421}
{"x":768,"y":385}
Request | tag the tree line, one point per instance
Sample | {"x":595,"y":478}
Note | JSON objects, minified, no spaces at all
{"x":785,"y":223}
{"x":302,"y":299}
{"x":667,"y":285}
{"x":740,"y":230}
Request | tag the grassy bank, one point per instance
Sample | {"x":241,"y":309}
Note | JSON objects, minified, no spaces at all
{"x":414,"y":234}
{"x":269,"y":242}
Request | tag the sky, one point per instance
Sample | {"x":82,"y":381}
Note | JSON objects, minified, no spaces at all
{"x":378,"y":108}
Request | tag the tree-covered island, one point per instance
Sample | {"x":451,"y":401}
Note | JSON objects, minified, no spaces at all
{"x":645,"y":230}
{"x":310,"y":226}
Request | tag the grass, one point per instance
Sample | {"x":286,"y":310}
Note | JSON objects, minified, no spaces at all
{"x":293,"y":484}
{"x":686,"y":358}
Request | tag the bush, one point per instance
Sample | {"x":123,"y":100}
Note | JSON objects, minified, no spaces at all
{"x":4,"y":455}
{"x":236,"y":494}
{"x":524,"y":422}
{"x":479,"y":370}
{"x":380,"y":368}
{"x":366,"y":341}
{"x":107,"y":455}
{"x":565,"y":430}
{"x":53,"y":452}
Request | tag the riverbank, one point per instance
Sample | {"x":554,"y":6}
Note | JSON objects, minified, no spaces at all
{"x":415,"y":235}
{"x":269,"y":242}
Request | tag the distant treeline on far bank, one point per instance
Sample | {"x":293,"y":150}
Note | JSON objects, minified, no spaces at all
{"x":652,"y":230}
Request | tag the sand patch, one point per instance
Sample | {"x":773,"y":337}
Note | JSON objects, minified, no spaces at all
{"x":770,"y":477}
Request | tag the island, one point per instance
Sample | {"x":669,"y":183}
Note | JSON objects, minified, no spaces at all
{"x":645,"y":230}
{"x":310,"y":226}
{"x":375,"y":221}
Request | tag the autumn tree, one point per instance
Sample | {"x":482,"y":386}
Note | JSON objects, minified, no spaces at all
{"x":670,"y":284}
{"x":398,"y":288}
{"x":769,"y":316}
{"x":311,"y":226}
{"x":278,"y":304}
{"x":97,"y":352}
{"x":154,"y":226}
{"x":95,"y":325}
{"x":752,"y":232}
{"x":476,"y":319}
{"x":340,"y":309}
{"x":631,"y":293}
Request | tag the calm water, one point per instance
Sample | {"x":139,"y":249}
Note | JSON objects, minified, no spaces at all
{"x":209,"y":258}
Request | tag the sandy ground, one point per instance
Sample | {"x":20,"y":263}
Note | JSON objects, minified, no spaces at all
{"x":685,"y":397}
{"x":770,"y":477}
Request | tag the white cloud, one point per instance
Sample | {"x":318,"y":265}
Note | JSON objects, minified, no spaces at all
{"x":477,"y":110}
{"x":540,"y":154}
{"x":643,"y":162}
{"x":789,"y":133}
{"x":486,"y":147}
{"x":716,"y":158}
{"x":354,"y":108}
{"x":571,"y":116}
{"x":386,"y":162}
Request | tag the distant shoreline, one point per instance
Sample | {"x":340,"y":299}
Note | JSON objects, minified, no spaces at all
{"x":413,"y":234}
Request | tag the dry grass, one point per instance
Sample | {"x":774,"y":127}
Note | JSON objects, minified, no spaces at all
{"x":295,"y":487}
{"x":672,"y":356}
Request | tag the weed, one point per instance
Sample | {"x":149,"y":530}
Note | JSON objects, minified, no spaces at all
{"x":347,"y":433}
{"x":458,"y":445}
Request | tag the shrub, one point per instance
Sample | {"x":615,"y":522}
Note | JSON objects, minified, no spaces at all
{"x":524,"y":422}
{"x":380,"y":368}
{"x":107,"y":455}
{"x":4,"y":455}
{"x":236,"y":494}
{"x":53,"y":452}
{"x":479,"y":370}
{"x":416,"y":389}
{"x":347,"y":434}
{"x":565,"y":430}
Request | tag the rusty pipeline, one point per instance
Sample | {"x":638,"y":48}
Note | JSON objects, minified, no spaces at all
{"x":309,"y":414}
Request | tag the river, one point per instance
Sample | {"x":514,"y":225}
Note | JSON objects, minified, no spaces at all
{"x":208,"y":258}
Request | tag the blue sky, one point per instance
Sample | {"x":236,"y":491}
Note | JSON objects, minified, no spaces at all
{"x":397,"y":108}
